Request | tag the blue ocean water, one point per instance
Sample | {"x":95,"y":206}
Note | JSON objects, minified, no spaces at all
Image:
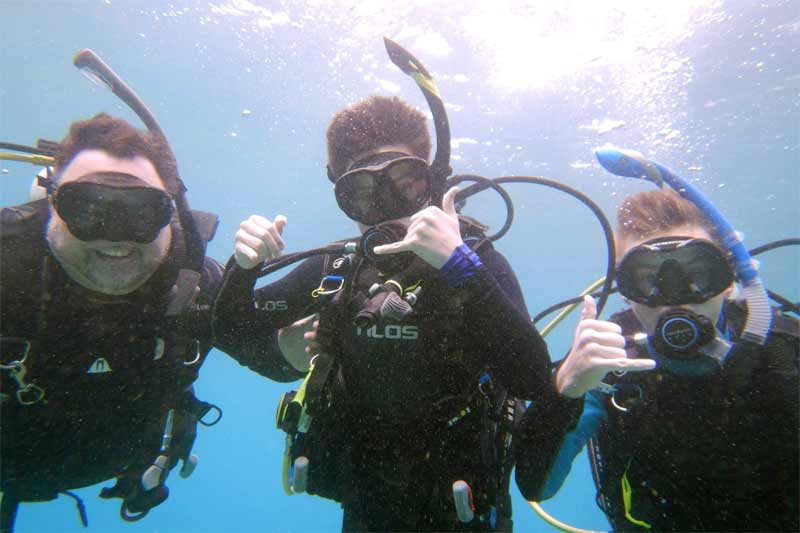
{"x":245,"y":90}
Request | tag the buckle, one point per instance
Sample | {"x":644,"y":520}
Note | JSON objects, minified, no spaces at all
{"x":287,"y":416}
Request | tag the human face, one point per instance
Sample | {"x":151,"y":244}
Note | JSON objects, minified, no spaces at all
{"x":387,"y":183}
{"x":109,"y":267}
{"x":647,"y":315}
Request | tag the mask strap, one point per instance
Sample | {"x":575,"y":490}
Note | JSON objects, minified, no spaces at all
{"x":47,"y":181}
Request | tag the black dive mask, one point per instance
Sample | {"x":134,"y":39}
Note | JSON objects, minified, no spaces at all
{"x":673,"y":271}
{"x":112,"y":206}
{"x":383,"y":186}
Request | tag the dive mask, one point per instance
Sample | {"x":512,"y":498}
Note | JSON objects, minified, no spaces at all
{"x":112,"y":206}
{"x":673,"y":271}
{"x":384,"y":186}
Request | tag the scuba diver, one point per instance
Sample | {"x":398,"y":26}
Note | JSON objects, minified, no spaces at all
{"x":688,"y":399}
{"x":106,"y":295}
{"x":422,"y":345}
{"x":100,"y":336}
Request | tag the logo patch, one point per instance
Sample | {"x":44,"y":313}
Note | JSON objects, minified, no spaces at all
{"x":270,"y":305}
{"x":100,"y":366}
{"x":393,"y":332}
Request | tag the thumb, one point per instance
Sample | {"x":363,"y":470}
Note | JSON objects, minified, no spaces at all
{"x":280,"y":223}
{"x":589,"y":310}
{"x":449,"y":201}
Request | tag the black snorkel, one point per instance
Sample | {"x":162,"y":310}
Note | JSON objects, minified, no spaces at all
{"x":441,"y":171}
{"x":99,"y":72}
{"x":440,"y":167}
{"x":411,"y":66}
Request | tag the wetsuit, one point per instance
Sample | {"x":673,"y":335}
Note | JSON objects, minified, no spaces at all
{"x":713,"y":453}
{"x":90,"y":399}
{"x":389,"y":447}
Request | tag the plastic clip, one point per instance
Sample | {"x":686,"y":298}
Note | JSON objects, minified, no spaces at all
{"x":330,"y":284}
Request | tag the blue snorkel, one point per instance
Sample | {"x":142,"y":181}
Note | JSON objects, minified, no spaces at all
{"x":632,"y":164}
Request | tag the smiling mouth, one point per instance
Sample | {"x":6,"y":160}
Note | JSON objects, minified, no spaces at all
{"x":122,"y":252}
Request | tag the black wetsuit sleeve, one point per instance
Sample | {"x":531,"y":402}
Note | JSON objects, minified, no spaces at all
{"x":500,"y":333}
{"x":246,"y":320}
{"x":539,"y":438}
{"x":500,"y":326}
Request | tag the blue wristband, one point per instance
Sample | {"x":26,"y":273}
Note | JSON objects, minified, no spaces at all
{"x":462,"y":265}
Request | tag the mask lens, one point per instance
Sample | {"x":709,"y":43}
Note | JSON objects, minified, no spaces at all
{"x":673,"y":273}
{"x":393,"y":189}
{"x":357,"y":196}
{"x":98,"y":212}
{"x":409,"y":178}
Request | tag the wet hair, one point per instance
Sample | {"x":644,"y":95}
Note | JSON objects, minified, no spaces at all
{"x":648,"y":213}
{"x":115,"y":137}
{"x":374,"y":122}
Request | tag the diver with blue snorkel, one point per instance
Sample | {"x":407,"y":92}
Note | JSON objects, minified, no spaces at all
{"x":688,"y":400}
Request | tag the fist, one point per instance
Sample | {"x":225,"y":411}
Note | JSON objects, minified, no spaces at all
{"x":258,"y":240}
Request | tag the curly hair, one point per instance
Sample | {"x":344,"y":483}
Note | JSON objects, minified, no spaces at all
{"x":115,"y":137}
{"x":647,"y":213}
{"x":374,"y":122}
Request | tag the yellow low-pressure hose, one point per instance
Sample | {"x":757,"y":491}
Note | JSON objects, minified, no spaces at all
{"x":570,"y":308}
{"x":42,"y":160}
{"x":557,"y":523}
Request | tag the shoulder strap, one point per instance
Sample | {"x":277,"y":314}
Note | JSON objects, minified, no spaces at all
{"x":20,"y":220}
{"x":188,"y":280}
{"x":785,"y":325}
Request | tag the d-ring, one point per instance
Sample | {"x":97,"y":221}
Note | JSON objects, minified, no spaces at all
{"x":196,"y":355}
